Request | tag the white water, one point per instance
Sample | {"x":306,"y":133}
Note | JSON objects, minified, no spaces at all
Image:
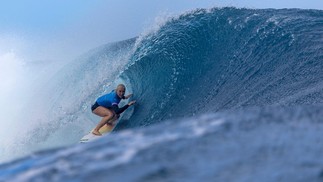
{"x":21,"y":78}
{"x":13,"y":80}
{"x":47,"y":104}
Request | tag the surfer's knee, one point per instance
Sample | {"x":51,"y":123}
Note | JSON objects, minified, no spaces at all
{"x":109,"y":113}
{"x":113,"y":114}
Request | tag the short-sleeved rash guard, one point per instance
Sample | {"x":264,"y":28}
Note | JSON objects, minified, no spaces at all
{"x":108,"y":100}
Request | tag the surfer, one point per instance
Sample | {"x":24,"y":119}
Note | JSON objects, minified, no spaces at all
{"x":107,"y":107}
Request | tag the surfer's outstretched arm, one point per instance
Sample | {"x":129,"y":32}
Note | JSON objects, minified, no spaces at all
{"x":122,"y":109}
{"x":128,"y":96}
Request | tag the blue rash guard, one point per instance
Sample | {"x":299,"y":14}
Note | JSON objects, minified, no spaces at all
{"x":108,"y":100}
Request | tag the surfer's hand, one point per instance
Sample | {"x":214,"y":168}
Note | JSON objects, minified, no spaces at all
{"x":131,"y":102}
{"x":126,"y":97}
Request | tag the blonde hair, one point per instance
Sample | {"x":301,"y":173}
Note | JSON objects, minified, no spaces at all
{"x":121,"y":85}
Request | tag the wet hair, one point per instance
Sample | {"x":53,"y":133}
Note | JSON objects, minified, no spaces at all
{"x":121,"y":85}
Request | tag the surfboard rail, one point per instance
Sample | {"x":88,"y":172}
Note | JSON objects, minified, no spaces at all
{"x":106,"y":129}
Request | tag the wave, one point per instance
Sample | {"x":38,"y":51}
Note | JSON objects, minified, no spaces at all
{"x":219,"y":59}
{"x":249,"y":144}
{"x":224,"y":64}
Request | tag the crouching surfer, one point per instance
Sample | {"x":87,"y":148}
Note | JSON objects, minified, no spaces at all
{"x":107,"y":107}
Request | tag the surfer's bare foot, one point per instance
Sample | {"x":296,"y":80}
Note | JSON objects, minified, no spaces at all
{"x":96,"y":133}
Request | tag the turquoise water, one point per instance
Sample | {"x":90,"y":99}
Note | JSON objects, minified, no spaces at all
{"x":222,"y":94}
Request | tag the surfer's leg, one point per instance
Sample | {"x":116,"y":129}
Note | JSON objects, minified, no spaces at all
{"x":113,"y":120}
{"x":102,"y":111}
{"x":107,"y":115}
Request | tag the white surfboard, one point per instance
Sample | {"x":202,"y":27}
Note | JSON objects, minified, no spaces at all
{"x":106,"y":129}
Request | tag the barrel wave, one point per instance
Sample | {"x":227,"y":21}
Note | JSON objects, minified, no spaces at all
{"x":213,"y":60}
{"x":223,"y":94}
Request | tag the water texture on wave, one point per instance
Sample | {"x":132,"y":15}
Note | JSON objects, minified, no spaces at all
{"x":251,"y":79}
{"x":219,"y":59}
{"x":268,"y":144}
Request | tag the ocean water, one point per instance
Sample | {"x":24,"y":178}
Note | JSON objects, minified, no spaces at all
{"x":222,"y":95}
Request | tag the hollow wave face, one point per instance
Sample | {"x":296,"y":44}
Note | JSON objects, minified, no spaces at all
{"x":219,"y":59}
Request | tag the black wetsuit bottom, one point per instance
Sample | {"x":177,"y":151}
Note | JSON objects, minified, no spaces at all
{"x":115,"y":108}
